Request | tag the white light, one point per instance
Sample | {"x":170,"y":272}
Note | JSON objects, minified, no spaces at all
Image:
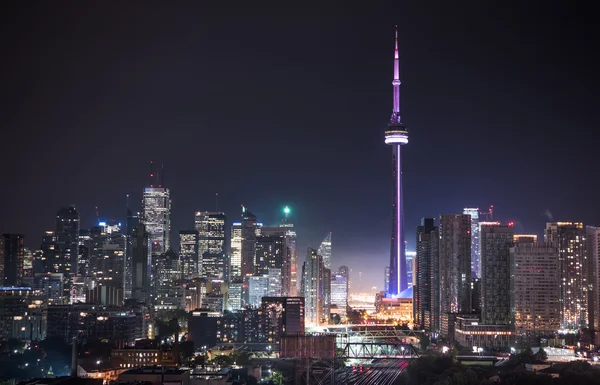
{"x":401,"y":139}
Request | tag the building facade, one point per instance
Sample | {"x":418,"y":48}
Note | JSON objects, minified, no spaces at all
{"x":156,"y":216}
{"x":211,"y":227}
{"x":570,"y":238}
{"x":325,"y":251}
{"x":188,"y":253}
{"x":535,"y":281}
{"x":12,"y":258}
{"x":454,"y":264}
{"x":422,"y":303}
{"x":496,"y":241}
{"x":475,"y":253}
{"x":313,"y":282}
{"x":67,"y":239}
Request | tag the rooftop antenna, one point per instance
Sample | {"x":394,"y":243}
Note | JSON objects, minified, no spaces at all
{"x":162,"y":175}
{"x":151,"y":174}
{"x":126,"y":213}
{"x":97,"y":215}
{"x":217,"y":202}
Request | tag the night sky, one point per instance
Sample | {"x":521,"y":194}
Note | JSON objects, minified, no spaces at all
{"x":287,"y":106}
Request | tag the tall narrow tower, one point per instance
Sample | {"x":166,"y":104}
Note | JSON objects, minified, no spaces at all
{"x":396,"y":135}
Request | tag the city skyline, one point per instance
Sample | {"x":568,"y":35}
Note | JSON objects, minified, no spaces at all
{"x":78,"y":113}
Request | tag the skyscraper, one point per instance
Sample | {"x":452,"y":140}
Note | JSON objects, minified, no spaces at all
{"x":289,"y":279}
{"x":339,"y":293}
{"x":312,"y":286}
{"x":211,"y":227}
{"x":236,"y":251}
{"x":422,"y":304}
{"x":535,"y":281}
{"x":410,"y":261}
{"x":188,"y":253}
{"x":454,"y":264}
{"x":496,"y":241}
{"x":131,"y":222}
{"x":67,"y":238}
{"x":345,"y":272}
{"x":156,"y":214}
{"x":248,"y":242}
{"x":12,"y":255}
{"x":140,"y":263}
{"x":396,"y":135}
{"x":593,"y":255}
{"x":475,"y":254}
{"x":111,"y":255}
{"x":570,"y":238}
{"x":325,"y":251}
{"x":269,"y":252}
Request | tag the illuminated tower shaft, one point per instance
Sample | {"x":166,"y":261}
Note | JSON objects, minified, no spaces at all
{"x":396,"y":135}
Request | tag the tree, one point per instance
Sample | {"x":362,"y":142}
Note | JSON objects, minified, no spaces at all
{"x":15,"y":344}
{"x":186,"y":350}
{"x":241,"y":357}
{"x":222,"y":360}
{"x":541,"y":355}
{"x":275,"y":379}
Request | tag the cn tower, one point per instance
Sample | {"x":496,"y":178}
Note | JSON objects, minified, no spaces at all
{"x":396,"y":135}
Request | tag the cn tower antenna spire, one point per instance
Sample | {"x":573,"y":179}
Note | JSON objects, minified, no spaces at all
{"x":396,"y":83}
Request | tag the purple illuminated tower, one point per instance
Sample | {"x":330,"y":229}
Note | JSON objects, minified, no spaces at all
{"x":396,"y":135}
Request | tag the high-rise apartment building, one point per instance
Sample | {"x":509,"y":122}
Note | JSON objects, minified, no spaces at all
{"x":313,"y":287}
{"x":12,"y":256}
{"x":156,"y":217}
{"x":67,"y":239}
{"x":211,"y":227}
{"x":188,"y":253}
{"x":570,"y":238}
{"x":454,"y":264}
{"x":475,"y":253}
{"x":422,"y":304}
{"x":535,"y":280}
{"x":325,"y":251}
{"x":248,"y":242}
{"x":496,"y":241}
{"x":593,"y":255}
